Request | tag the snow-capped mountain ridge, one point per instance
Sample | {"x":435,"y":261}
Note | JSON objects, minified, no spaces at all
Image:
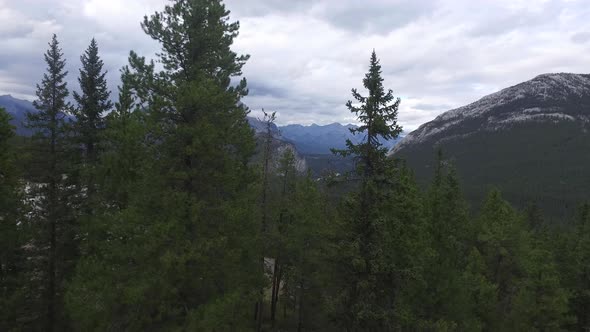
{"x":545,"y":98}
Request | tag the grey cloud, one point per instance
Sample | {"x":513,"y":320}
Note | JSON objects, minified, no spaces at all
{"x":308,"y":54}
{"x":264,"y":7}
{"x":258,"y":88}
{"x":431,"y":107}
{"x":381,"y":18}
{"x":581,"y":37}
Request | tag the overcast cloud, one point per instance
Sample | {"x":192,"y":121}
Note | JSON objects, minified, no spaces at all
{"x":306,"y":55}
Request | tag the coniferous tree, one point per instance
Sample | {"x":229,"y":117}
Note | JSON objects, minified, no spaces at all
{"x":574,"y":261}
{"x":123,"y":145}
{"x":53,"y":221}
{"x":528,"y":291}
{"x":305,"y":226}
{"x":184,"y":245}
{"x":93,"y":102}
{"x":365,"y":304}
{"x":267,"y":158}
{"x":13,"y":231}
{"x":286,"y":176}
{"x":502,"y":243}
{"x":446,"y":299}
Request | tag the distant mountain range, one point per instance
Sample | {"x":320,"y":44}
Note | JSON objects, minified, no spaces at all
{"x":309,"y":143}
{"x":531,"y":141}
{"x":316,"y":139}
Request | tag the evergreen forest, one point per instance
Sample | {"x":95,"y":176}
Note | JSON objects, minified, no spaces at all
{"x":156,"y":208}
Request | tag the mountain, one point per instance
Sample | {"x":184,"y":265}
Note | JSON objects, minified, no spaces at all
{"x":279,"y":145}
{"x":18,"y":109}
{"x":316,"y":139}
{"x":530,"y":140}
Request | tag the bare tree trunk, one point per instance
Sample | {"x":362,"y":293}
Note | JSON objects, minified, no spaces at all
{"x":273,"y":302}
{"x":51,"y":279}
{"x":268,"y":120}
{"x":51,"y":218}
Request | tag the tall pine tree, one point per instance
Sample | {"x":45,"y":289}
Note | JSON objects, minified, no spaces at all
{"x":55,"y":231}
{"x":93,"y":101}
{"x":365,"y":305}
{"x":184,"y":245}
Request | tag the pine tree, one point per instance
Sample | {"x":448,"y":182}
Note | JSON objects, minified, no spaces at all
{"x":267,"y":159}
{"x":305,"y":228}
{"x":13,"y":233}
{"x":574,"y":258}
{"x":286,"y":178}
{"x":184,"y":245}
{"x":93,"y":102}
{"x":528,"y":290}
{"x":366,"y":307}
{"x":53,"y":217}
{"x":123,"y":145}
{"x":446,"y":299}
{"x":502,"y":242}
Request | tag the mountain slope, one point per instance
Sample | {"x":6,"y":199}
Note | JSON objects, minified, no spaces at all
{"x":530,"y":140}
{"x":18,"y":109}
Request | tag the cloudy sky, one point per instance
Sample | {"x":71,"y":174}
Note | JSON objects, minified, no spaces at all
{"x":306,"y":55}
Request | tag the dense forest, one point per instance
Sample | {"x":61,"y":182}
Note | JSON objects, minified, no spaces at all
{"x":163,"y":212}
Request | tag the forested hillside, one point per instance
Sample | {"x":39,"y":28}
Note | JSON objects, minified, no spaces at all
{"x":528,"y":140}
{"x":166,"y":211}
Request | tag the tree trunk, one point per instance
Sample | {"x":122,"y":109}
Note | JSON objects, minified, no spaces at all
{"x":300,"y":314}
{"x":260,"y":312}
{"x":276,"y":286}
{"x":51,"y":279}
{"x":51,"y":218}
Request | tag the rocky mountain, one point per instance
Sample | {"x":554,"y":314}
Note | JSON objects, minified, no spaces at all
{"x":316,"y":139}
{"x":530,"y":140}
{"x":279,"y":145}
{"x":17,"y":108}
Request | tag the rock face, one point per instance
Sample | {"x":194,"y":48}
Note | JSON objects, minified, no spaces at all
{"x":530,"y":140}
{"x":279,"y":145}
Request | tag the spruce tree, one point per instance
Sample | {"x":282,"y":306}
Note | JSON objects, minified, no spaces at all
{"x":55,"y":232}
{"x":365,"y":305}
{"x":93,"y":101}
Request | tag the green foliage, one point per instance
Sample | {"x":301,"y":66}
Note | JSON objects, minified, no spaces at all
{"x":53,"y":241}
{"x":93,"y":101}
{"x":175,"y":242}
{"x":529,"y":292}
{"x":13,"y":301}
{"x":510,"y":161}
{"x":176,"y":226}
{"x":574,"y":262}
{"x":371,"y":277}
